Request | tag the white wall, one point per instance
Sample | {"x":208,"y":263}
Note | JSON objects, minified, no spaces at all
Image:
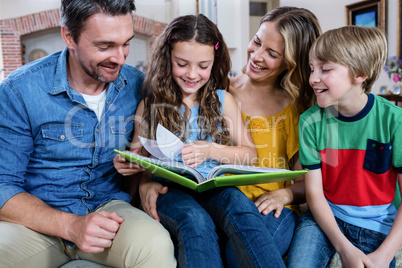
{"x":17,"y":8}
{"x":331,"y":14}
{"x":50,"y":42}
{"x":139,"y":47}
{"x":233,"y":22}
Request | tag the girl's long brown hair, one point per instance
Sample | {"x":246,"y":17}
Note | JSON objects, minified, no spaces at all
{"x":164,"y":97}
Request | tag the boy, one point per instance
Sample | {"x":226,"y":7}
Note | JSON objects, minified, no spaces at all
{"x":351,"y":143}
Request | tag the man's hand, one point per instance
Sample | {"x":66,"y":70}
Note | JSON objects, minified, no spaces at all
{"x":94,"y":232}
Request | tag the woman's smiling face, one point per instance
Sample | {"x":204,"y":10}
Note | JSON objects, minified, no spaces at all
{"x":266,"y":53}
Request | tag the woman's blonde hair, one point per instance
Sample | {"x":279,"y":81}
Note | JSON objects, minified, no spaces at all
{"x":299,"y":28}
{"x":362,"y":49}
{"x":164,"y":96}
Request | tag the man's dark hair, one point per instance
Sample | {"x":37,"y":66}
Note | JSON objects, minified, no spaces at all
{"x":74,"y":13}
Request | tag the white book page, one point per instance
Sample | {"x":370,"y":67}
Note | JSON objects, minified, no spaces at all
{"x":174,"y":166}
{"x":169,"y":144}
{"x":152,"y":147}
{"x":241,"y":169}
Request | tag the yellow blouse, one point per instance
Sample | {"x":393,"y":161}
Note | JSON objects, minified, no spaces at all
{"x":276,"y":139}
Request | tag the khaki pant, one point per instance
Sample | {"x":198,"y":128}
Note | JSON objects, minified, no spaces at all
{"x":140,"y":242}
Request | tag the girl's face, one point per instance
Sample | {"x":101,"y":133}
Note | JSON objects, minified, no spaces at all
{"x":333,"y":85}
{"x":266,"y":54}
{"x":191,"y":63}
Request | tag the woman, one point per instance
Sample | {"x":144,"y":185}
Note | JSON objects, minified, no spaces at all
{"x":273,"y":91}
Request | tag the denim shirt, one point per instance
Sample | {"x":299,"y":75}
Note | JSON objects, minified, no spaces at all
{"x":53,"y":146}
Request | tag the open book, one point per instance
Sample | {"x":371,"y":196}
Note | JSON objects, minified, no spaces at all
{"x":167,"y":146}
{"x":217,"y":177}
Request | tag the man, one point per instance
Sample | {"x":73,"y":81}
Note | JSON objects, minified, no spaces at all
{"x":60,"y":119}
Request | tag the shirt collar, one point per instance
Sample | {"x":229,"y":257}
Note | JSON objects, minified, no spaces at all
{"x":61,"y":80}
{"x":359,"y":115}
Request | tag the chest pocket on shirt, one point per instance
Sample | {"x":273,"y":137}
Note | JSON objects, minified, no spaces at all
{"x":121,"y":133}
{"x":378,"y":157}
{"x":61,"y":142}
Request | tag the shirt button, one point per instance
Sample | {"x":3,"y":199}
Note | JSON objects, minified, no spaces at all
{"x":120,"y":84}
{"x":108,"y":102}
{"x":125,"y":130}
{"x":96,"y":160}
{"x":62,"y":137}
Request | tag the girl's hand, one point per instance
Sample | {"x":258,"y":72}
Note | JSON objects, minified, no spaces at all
{"x":125,"y":167}
{"x":354,"y":257}
{"x":195,"y":153}
{"x":270,"y":201}
{"x":149,"y":192}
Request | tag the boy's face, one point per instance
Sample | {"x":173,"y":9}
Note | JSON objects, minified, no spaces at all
{"x":333,"y":85}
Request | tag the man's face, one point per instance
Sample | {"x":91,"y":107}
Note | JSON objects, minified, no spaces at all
{"x":102,"y":47}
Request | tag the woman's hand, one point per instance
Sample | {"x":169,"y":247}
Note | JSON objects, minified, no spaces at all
{"x":276,"y":200}
{"x":125,"y":167}
{"x":271,"y":201}
{"x":149,"y":192}
{"x":195,"y":153}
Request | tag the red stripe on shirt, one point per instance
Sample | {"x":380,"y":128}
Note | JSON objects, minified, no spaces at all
{"x":345,"y":181}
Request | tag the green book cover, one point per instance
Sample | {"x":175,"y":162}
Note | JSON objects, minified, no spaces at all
{"x":223,"y":175}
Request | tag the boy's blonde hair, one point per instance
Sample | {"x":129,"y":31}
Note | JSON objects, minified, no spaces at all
{"x":362,"y":49}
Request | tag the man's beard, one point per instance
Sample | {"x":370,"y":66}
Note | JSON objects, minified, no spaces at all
{"x":96,"y":74}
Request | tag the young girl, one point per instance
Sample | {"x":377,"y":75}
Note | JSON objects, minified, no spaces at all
{"x":189,"y":65}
